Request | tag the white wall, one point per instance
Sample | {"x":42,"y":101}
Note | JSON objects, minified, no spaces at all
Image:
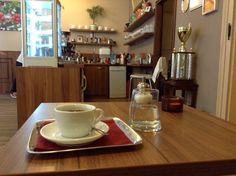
{"x":10,"y":41}
{"x":74,"y":12}
{"x":116,"y":15}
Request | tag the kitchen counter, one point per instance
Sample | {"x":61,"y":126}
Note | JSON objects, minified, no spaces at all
{"x":101,"y":83}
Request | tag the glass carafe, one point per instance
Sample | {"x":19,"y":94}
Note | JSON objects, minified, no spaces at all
{"x":144,"y":109}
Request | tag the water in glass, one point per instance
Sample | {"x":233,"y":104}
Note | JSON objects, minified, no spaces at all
{"x":144,"y":112}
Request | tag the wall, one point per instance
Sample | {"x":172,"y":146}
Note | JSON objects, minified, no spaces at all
{"x":232,"y":92}
{"x":10,"y":41}
{"x":116,"y":15}
{"x":74,"y":12}
{"x":232,"y":111}
{"x":147,"y":45}
{"x":205,"y":41}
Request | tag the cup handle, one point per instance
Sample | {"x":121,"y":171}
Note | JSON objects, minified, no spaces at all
{"x":101,"y":114}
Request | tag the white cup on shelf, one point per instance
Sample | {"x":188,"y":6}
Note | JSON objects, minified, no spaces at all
{"x":100,"y":28}
{"x":106,"y":28}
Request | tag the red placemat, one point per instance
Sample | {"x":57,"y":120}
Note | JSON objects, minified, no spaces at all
{"x":114,"y":137}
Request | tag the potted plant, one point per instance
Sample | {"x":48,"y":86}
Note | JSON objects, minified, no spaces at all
{"x":94,"y":12}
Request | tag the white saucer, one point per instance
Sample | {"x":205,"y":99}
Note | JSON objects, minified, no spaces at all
{"x":52,"y":133}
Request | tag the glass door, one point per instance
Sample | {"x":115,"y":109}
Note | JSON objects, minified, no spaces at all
{"x":40,"y":34}
{"x":59,"y":34}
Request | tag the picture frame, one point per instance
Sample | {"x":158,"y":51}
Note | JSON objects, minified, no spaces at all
{"x":10,"y":15}
{"x":148,"y":9}
{"x":208,"y":6}
{"x":194,"y":4}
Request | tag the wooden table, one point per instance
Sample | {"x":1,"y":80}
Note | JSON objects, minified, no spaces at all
{"x":191,"y":143}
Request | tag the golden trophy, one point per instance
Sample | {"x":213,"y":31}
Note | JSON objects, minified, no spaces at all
{"x":183,"y":34}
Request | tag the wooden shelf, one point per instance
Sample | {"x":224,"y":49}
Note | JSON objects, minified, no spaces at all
{"x":140,"y":21}
{"x":93,"y":44}
{"x":92,"y":31}
{"x":140,"y":65}
{"x":139,"y":38}
{"x":137,"y":7}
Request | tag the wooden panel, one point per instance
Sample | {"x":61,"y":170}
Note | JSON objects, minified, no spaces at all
{"x":5,"y":65}
{"x":37,"y":85}
{"x":90,"y":74}
{"x":158,"y":32}
{"x":5,"y":75}
{"x":13,"y":55}
{"x":97,"y":81}
{"x":102,"y":83}
{"x":7,"y":69}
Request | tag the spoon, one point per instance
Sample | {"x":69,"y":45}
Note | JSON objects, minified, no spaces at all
{"x":100,"y":131}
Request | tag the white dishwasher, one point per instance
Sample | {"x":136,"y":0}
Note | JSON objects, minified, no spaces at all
{"x":117,"y":81}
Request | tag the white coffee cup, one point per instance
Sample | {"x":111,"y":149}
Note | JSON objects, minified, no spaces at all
{"x":76,"y":120}
{"x":100,"y":28}
{"x":106,"y":28}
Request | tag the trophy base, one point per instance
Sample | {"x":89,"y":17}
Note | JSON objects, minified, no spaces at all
{"x":182,"y":48}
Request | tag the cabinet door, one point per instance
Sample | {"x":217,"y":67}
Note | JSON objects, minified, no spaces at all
{"x":102,"y":81}
{"x":97,"y":81}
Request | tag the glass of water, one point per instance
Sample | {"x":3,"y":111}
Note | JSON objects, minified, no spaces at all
{"x":144,"y":111}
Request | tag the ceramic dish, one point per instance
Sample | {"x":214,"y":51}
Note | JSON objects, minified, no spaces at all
{"x":52,"y":133}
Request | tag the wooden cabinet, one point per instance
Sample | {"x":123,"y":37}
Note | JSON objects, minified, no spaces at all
{"x":97,"y":81}
{"x":7,"y":69}
{"x":45,"y":84}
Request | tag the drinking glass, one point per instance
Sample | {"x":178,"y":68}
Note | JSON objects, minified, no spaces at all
{"x":144,"y":110}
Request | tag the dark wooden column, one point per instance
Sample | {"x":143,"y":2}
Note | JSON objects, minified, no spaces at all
{"x":158,"y":31}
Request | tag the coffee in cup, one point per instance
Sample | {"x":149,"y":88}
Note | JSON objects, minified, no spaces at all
{"x":76,"y":120}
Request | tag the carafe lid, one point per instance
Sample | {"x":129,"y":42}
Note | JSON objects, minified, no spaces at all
{"x":143,"y":87}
